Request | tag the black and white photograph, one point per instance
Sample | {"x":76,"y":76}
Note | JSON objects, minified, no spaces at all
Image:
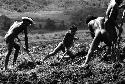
{"x":62,"y":41}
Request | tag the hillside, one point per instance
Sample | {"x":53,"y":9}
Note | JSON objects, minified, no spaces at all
{"x":69,"y":11}
{"x":35,"y":5}
{"x":20,"y":5}
{"x":48,"y":8}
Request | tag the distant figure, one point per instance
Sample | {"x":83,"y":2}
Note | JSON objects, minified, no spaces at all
{"x":66,"y":44}
{"x":105,"y":32}
{"x":12,"y":34}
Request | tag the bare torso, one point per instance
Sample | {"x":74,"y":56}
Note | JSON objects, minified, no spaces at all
{"x":14,"y":30}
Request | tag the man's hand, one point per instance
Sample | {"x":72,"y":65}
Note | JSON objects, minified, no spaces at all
{"x":76,"y":38}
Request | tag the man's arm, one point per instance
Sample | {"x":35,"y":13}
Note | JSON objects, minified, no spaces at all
{"x":108,"y":11}
{"x":26,"y":39}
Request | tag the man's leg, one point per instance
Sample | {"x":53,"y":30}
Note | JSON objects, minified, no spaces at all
{"x":108,"y":41}
{"x":17,"y":47}
{"x":56,"y":50}
{"x":10,"y":47}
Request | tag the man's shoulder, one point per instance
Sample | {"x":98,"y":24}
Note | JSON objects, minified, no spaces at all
{"x":91,"y":22}
{"x":16,"y":24}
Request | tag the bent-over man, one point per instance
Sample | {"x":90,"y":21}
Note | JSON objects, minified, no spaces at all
{"x":107,"y":33}
{"x":12,"y":34}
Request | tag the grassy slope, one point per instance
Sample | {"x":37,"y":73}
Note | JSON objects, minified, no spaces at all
{"x":51,"y":5}
{"x":53,"y":9}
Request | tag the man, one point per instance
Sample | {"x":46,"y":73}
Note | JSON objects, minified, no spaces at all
{"x":66,"y":44}
{"x":111,"y":14}
{"x":12,"y":34}
{"x":94,"y":23}
{"x":107,"y":33}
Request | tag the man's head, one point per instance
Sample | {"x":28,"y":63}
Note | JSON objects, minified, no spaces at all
{"x":27,"y":20}
{"x":73,"y":29}
{"x":89,"y":18}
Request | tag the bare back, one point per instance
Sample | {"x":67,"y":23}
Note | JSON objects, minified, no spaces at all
{"x":14,"y":30}
{"x":96,"y":24}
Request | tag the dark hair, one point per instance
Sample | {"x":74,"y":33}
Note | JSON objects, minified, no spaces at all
{"x":89,"y":18}
{"x":73,"y":28}
{"x":26,"y":20}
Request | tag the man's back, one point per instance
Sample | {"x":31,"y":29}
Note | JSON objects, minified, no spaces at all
{"x":15,"y":29}
{"x":68,"y":39}
{"x":97,"y":23}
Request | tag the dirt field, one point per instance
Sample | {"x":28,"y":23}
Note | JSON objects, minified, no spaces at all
{"x":63,"y":72}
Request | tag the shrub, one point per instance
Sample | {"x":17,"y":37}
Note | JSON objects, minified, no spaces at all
{"x":50,"y":24}
{"x":5,"y":22}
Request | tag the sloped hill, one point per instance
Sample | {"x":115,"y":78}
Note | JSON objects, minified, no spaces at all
{"x":20,"y":5}
{"x":70,"y":11}
{"x":35,"y":5}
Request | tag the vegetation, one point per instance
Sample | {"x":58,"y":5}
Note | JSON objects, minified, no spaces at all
{"x":55,"y":71}
{"x":35,"y":5}
{"x":53,"y":15}
{"x":71,"y":10}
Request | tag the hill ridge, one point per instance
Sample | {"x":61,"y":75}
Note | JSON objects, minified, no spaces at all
{"x":36,"y":5}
